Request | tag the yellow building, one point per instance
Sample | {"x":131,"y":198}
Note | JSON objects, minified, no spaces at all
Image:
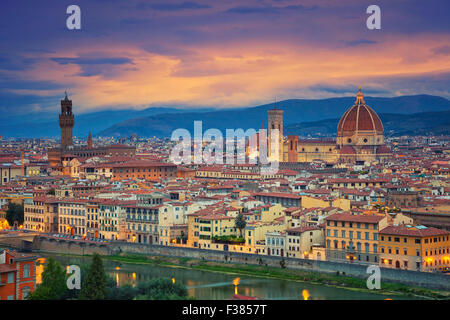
{"x":72,"y":217}
{"x":300,"y":241}
{"x":417,"y":248}
{"x":255,"y":234}
{"x":92,"y":230}
{"x":312,"y":202}
{"x":352,"y":238}
{"x":34,"y":215}
{"x":214,"y":226}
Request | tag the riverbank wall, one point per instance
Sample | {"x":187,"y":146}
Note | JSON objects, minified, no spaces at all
{"x":414,"y":278}
{"x":65,"y":246}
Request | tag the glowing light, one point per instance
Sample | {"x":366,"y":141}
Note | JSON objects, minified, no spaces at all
{"x":305,"y":294}
{"x":236,"y":282}
{"x":134,"y":276}
{"x":117,"y":279}
{"x":117,"y":268}
{"x":173,"y":280}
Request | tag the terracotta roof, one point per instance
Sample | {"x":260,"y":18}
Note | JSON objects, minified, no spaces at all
{"x":416,"y":231}
{"x":359,"y":117}
{"x":355,"y":218}
{"x":278,"y":195}
{"x":7,"y":268}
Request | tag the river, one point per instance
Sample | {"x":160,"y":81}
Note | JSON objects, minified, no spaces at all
{"x":206,"y":285}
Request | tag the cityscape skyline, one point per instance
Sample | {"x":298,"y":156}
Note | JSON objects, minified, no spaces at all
{"x":224,"y":150}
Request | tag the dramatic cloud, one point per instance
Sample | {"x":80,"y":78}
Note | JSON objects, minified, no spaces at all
{"x":134,"y":53}
{"x":173,"y":6}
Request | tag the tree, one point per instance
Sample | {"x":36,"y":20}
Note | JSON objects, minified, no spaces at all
{"x":14,"y":213}
{"x":53,"y":286}
{"x":94,"y":286}
{"x":240,"y":222}
{"x":161,"y":289}
{"x":126,"y":292}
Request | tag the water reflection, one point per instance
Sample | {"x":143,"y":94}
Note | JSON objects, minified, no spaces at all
{"x":305,"y":294}
{"x":218,"y":286}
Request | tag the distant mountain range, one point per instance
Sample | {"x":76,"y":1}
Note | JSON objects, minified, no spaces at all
{"x":301,"y":116}
{"x":296,"y":111}
{"x":47,"y":124}
{"x":423,"y":123}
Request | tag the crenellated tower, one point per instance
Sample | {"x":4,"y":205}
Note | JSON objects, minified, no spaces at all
{"x":66,"y":122}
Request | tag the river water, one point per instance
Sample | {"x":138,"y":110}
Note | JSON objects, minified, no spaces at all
{"x":206,"y":285}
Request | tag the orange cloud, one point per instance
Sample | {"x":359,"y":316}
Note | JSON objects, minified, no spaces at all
{"x":237,"y":74}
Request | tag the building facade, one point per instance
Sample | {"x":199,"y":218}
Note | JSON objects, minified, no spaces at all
{"x":17,"y":275}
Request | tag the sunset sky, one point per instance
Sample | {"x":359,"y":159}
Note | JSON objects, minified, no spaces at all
{"x":228,"y":53}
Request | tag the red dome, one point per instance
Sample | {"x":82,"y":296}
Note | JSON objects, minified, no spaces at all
{"x":360,"y":117}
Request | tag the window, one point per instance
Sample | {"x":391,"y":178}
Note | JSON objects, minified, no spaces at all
{"x":26,"y":271}
{"x":25,"y":292}
{"x":11,"y":277}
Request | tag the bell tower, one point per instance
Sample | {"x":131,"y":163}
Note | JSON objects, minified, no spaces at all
{"x":275,"y":122}
{"x":66,"y":122}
